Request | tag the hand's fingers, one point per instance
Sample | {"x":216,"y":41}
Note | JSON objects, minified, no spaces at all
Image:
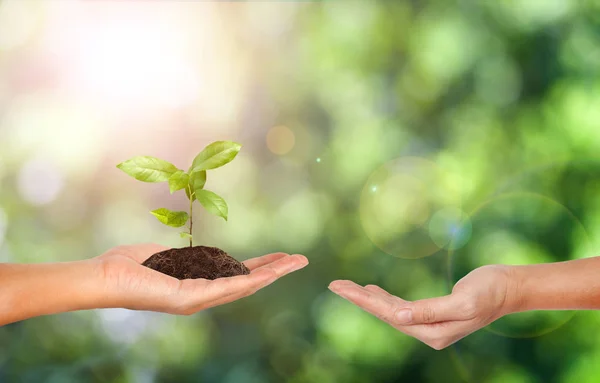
{"x":400,"y":312}
{"x":139,"y":253}
{"x":201,"y":294}
{"x":373,"y":300}
{"x":257,"y":280}
{"x":211,"y":293}
{"x":234,"y":297}
{"x":375,"y":303}
{"x":257,"y":262}
{"x":377,"y":289}
{"x":453,"y":307}
{"x":261,"y":276}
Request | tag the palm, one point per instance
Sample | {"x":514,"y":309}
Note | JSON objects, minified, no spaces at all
{"x":485,"y":288}
{"x":475,"y":301}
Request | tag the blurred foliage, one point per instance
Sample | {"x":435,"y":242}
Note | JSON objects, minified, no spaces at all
{"x":497,"y":98}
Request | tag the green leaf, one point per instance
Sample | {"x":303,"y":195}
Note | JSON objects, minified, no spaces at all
{"x":212,"y":202}
{"x":215,"y":155}
{"x":148,"y":169}
{"x":170,"y":218}
{"x":197,"y":181}
{"x":179,"y":180}
{"x":184,"y":234}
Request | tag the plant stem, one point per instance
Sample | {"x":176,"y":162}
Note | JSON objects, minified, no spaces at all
{"x":191,"y":218}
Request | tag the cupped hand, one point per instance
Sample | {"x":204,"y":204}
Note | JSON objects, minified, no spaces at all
{"x":128,"y":284}
{"x":481,"y":297}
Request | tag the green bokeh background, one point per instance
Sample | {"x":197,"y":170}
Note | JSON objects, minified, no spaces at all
{"x":498,"y":100}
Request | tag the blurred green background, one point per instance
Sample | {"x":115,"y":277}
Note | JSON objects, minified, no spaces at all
{"x":400,"y":143}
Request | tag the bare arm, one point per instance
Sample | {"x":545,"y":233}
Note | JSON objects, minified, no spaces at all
{"x":31,"y":290}
{"x":481,"y":297}
{"x":572,"y":285}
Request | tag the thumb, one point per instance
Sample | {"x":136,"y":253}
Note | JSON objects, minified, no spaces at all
{"x":447,"y":308}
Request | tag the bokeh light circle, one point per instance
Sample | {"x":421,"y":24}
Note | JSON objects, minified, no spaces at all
{"x":450,"y":228}
{"x":411,"y":208}
{"x":519,"y":229}
{"x":281,"y":140}
{"x":39,"y":181}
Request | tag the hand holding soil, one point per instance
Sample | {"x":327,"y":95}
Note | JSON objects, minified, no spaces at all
{"x":130,"y":285}
{"x":117,"y":279}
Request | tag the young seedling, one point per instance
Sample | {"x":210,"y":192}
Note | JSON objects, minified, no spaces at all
{"x":191,"y":262}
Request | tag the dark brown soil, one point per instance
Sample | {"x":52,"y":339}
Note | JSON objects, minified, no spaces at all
{"x":196,"y":262}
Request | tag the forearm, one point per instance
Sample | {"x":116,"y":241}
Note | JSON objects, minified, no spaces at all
{"x":31,"y":290}
{"x":571,"y":285}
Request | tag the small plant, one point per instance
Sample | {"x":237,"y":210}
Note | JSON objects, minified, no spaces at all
{"x":151,"y":169}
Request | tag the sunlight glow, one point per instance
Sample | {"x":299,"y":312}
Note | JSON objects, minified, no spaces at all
{"x":135,"y":63}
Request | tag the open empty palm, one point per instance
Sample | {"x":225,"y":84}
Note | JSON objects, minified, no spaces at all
{"x":476,"y":300}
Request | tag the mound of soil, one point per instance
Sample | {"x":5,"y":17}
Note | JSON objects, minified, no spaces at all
{"x":196,"y":262}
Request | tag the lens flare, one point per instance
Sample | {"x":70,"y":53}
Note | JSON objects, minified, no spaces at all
{"x":410,"y":208}
{"x":450,"y":228}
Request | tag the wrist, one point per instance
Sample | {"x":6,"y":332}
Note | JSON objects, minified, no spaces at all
{"x":87,"y":285}
{"x":514,"y":297}
{"x":66,"y":286}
